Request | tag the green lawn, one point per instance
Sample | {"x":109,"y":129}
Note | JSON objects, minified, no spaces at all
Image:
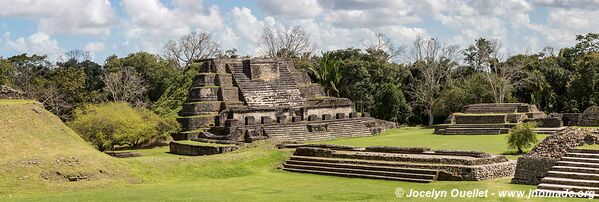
{"x":419,"y":137}
{"x":252,"y":174}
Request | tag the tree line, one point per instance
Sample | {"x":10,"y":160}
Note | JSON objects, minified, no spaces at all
{"x":418,"y":84}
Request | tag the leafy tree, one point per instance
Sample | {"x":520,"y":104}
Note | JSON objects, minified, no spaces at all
{"x":391,"y":104}
{"x":7,"y":72}
{"x":173,"y":97}
{"x":584,"y":85}
{"x":522,"y":136}
{"x":482,"y":55}
{"x":110,"y":124}
{"x":156,"y":72}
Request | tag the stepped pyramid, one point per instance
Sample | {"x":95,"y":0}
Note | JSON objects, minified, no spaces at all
{"x":243,"y":100}
{"x":497,"y":118}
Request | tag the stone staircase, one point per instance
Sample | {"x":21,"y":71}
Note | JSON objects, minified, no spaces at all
{"x":358,"y":168}
{"x":549,"y":131}
{"x":576,"y":171}
{"x":474,"y":131}
{"x":282,"y":91}
{"x":336,"y":129}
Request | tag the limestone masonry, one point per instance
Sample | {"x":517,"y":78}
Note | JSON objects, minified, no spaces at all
{"x":236,"y":101}
{"x":497,"y":118}
{"x":553,"y":150}
{"x":414,"y":164}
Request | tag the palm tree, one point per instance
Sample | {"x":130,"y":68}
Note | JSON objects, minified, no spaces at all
{"x":328,"y":73}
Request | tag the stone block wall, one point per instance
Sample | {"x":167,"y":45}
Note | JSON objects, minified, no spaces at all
{"x":480,"y":119}
{"x":530,"y":170}
{"x":199,"y":150}
{"x":203,"y":94}
{"x":320,"y":111}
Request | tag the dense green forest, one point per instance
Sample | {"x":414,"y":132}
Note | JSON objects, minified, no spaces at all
{"x":417,"y":84}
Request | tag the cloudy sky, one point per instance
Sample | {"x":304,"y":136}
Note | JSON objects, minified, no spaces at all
{"x":105,"y":27}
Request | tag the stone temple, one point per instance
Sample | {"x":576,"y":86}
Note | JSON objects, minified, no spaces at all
{"x":235,"y":101}
{"x":498,"y":118}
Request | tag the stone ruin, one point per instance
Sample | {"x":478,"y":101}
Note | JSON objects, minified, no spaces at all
{"x":236,"y":101}
{"x":534,"y":166}
{"x":413,"y":164}
{"x":557,"y":166}
{"x":497,"y":118}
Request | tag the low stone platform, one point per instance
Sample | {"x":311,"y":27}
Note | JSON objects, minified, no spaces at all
{"x":196,"y":148}
{"x":397,"y":163}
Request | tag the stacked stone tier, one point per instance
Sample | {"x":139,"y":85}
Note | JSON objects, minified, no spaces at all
{"x":396,"y":163}
{"x":577,"y":171}
{"x":276,"y":92}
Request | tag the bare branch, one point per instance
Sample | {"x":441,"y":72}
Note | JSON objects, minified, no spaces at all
{"x":286,"y":43}
{"x":433,"y":63}
{"x":125,"y":85}
{"x":193,"y":46}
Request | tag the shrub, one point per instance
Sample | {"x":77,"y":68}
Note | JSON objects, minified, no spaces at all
{"x":110,"y":124}
{"x":522,"y":136}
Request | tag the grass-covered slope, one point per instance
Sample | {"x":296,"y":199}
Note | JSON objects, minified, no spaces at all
{"x":38,"y":152}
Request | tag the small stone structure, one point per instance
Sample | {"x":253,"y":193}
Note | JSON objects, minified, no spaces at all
{"x":533,"y":167}
{"x":497,"y":118}
{"x":10,"y":93}
{"x":199,"y":150}
{"x":398,"y":163}
{"x":245,"y":100}
{"x":590,"y":117}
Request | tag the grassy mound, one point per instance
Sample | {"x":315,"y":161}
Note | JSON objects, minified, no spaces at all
{"x":39,"y":152}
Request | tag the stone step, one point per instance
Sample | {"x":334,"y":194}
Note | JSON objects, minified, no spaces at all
{"x":365,"y":167}
{"x":586,"y":151}
{"x":576,"y":169}
{"x":573,"y":175}
{"x":563,"y":194}
{"x":473,"y":131}
{"x":578,"y":164}
{"x":559,"y":187}
{"x":357,"y":175}
{"x":567,"y":181}
{"x":548,"y":131}
{"x":582,"y":155}
{"x":489,"y":126}
{"x":578,"y":159}
{"x":359,"y":161}
{"x":363,"y":171}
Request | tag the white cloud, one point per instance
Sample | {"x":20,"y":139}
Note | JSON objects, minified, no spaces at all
{"x":581,"y":4}
{"x":77,"y":17}
{"x":95,"y":47}
{"x":298,"y":9}
{"x":37,"y":43}
{"x":150,"y":23}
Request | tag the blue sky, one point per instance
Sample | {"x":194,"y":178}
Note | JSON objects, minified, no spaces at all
{"x":105,"y":27}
